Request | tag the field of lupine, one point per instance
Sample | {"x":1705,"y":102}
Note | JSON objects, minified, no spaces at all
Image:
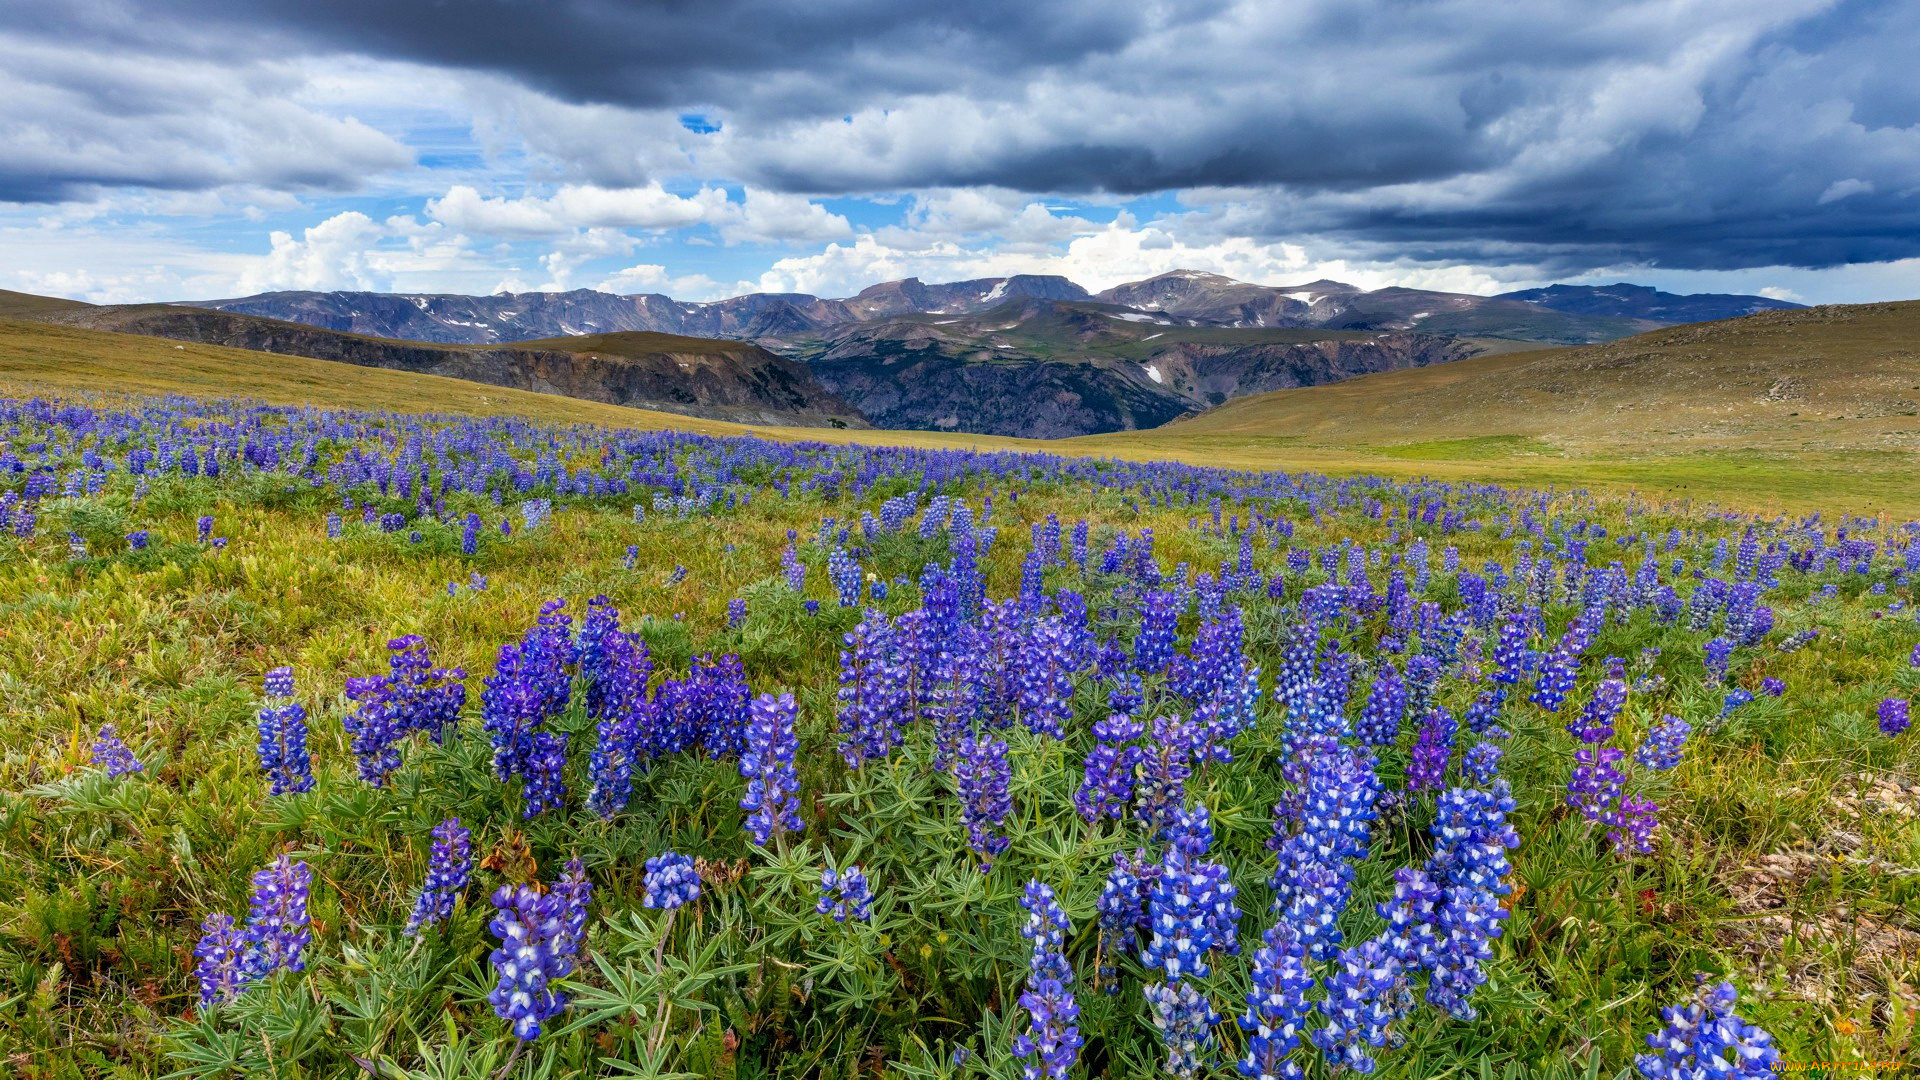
{"x":349,"y":744}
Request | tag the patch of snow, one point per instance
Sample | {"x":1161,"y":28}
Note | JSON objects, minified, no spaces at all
{"x":1153,"y":372}
{"x":1134,"y":316}
{"x":457,"y":322}
{"x":1150,"y":337}
{"x":1418,"y":315}
{"x":999,"y":290}
{"x":1301,"y":295}
{"x":945,"y":322}
{"x":1003,"y":346}
{"x":419,"y":302}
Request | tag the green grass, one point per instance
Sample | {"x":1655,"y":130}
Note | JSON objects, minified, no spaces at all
{"x":1479,"y":448}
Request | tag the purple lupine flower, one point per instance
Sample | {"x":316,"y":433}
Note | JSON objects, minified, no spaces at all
{"x":1633,"y":825}
{"x":1409,"y":936}
{"x":137,"y":540}
{"x":1277,"y":1006}
{"x":980,"y":774}
{"x":449,"y":868}
{"x":1706,"y":1038}
{"x":670,"y":882}
{"x":736,"y":612}
{"x":1772,"y":687}
{"x":1359,"y":1005}
{"x":1106,"y":786}
{"x":205,"y":527}
{"x":217,"y":958}
{"x":1893,"y":716}
{"x":1914,"y":660}
{"x":1595,"y":785}
{"x":1665,"y":742}
{"x":617,"y":699}
{"x":845,"y":893}
{"x":1556,"y":681}
{"x":535,"y":950}
{"x":111,"y":756}
{"x":1128,"y":693}
{"x":772,"y":801}
{"x":792,"y":568}
{"x":278,"y":929}
{"x":1427,"y":766}
{"x":1051,"y":1039}
{"x":1595,"y":722}
{"x":529,"y":684}
{"x":546,"y":787}
{"x":1185,"y":1019}
{"x":1043,"y":667}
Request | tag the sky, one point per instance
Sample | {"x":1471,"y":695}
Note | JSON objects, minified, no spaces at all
{"x":197,"y":149}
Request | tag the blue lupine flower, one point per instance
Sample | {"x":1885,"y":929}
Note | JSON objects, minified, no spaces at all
{"x":671,"y":881}
{"x":1043,"y":677}
{"x":845,"y":575}
{"x":1481,"y":763}
{"x":282,"y":745}
{"x":1185,"y":1019}
{"x":137,"y":540}
{"x":535,"y":950}
{"x":1665,"y":743}
{"x":449,"y":868}
{"x":546,"y":787}
{"x":1706,"y":1039}
{"x":1893,"y":716}
{"x":278,"y":930}
{"x":1191,"y":912}
{"x":736,"y":612}
{"x":1153,"y":646}
{"x":845,"y":893}
{"x":1167,"y":764}
{"x":1277,"y":1006}
{"x":1595,"y":722}
{"x":1427,"y":766}
{"x":576,"y":898}
{"x":1122,"y":912}
{"x":1316,"y":847}
{"x":980,"y":774}
{"x":1107,"y":780}
{"x":1772,"y":687}
{"x":872,"y":691}
{"x":773,"y":788}
{"x":112,"y":756}
{"x":1719,"y":652}
{"x":1359,"y":1006}
{"x":1595,"y":785}
{"x":217,"y":959}
{"x":1386,"y":708}
{"x":1469,"y":866}
{"x":1052,"y":1040}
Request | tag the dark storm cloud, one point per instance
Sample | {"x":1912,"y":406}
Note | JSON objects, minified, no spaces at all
{"x":1688,"y":133}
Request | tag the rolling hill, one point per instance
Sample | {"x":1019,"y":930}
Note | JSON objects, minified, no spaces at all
{"x":1812,"y":378}
{"x":717,"y":380}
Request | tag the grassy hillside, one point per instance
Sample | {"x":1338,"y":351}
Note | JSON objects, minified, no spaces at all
{"x":1785,"y":410}
{"x":39,"y":358}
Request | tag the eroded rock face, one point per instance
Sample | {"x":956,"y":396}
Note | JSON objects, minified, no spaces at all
{"x":716,"y":380}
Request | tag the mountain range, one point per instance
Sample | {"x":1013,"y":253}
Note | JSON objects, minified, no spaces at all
{"x":1030,"y":355}
{"x":1561,"y":314}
